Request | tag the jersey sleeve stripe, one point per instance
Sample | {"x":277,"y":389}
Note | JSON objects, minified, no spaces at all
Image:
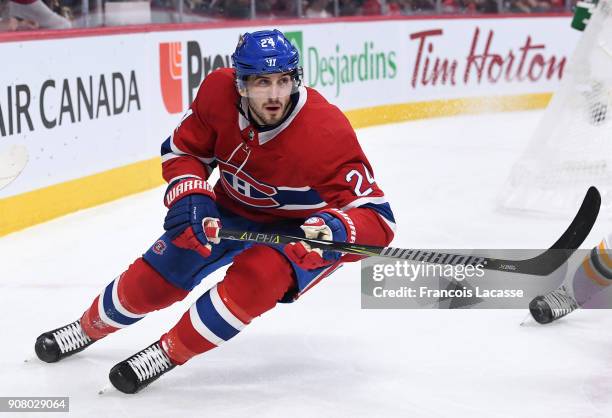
{"x":170,"y":150}
{"x":383,"y":210}
{"x":392,"y":226}
{"x":302,"y":207}
{"x":364,"y":200}
{"x":168,"y":157}
{"x":184,"y":176}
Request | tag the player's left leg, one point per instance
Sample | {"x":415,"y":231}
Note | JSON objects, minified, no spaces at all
{"x":162,"y":276}
{"x":127,"y":299}
{"x":259,"y":278}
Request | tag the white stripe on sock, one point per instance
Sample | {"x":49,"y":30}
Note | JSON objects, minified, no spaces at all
{"x":201,"y":328}
{"x":118,"y":306}
{"x":225,"y":313}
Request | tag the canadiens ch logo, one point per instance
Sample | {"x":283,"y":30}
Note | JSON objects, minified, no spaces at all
{"x":159,"y":247}
{"x":245,"y":188}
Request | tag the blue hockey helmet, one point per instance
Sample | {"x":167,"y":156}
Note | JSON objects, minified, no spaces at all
{"x":265,"y":52}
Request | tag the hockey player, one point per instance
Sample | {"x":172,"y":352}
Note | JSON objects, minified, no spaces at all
{"x":287,"y":159}
{"x":585,"y":288}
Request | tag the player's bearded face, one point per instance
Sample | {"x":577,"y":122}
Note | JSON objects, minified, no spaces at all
{"x":269,"y":97}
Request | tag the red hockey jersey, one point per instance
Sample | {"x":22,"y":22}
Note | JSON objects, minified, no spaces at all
{"x":311,"y":161}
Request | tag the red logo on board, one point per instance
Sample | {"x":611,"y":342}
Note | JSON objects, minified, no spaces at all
{"x":171,"y":75}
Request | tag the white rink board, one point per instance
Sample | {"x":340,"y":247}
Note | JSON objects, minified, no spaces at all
{"x":76,"y":144}
{"x":340,"y":69}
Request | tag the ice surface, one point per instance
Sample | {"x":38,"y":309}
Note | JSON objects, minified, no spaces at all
{"x":323,"y":356}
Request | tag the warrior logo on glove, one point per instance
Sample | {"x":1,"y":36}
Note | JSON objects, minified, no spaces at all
{"x":193,"y":220}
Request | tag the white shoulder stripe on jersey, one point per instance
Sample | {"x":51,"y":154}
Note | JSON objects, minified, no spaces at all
{"x":201,"y":328}
{"x":222,"y":310}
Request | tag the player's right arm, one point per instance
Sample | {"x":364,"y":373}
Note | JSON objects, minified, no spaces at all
{"x":189,"y":151}
{"x":357,"y":211}
{"x":187,"y":161}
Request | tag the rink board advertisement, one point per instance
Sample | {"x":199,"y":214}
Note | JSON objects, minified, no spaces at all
{"x":76,"y":118}
{"x":92,"y":118}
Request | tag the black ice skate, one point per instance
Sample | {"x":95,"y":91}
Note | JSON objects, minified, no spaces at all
{"x":554,"y":305}
{"x":54,"y":345}
{"x":136,"y":372}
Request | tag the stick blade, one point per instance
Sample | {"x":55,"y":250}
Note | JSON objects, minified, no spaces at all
{"x":583,"y":222}
{"x":573,"y":237}
{"x":550,"y":260}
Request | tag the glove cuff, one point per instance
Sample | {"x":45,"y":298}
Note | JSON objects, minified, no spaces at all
{"x":347,"y":222}
{"x":186,"y":187}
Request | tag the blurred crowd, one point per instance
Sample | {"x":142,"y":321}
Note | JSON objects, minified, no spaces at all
{"x":60,"y":14}
{"x":33,"y":14}
{"x":237,"y":9}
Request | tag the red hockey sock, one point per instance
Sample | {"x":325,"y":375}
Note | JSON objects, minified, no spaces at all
{"x":126,"y":300}
{"x":93,"y":325}
{"x":257,"y":280}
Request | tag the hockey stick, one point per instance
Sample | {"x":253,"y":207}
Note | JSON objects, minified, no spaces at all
{"x":541,"y":265}
{"x":12,"y":162}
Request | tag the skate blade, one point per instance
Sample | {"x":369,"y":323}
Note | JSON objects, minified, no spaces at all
{"x":31,"y":359}
{"x":105,"y":389}
{"x":528,"y":319}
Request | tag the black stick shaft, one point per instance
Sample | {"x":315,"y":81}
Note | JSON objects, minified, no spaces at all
{"x":541,"y":265}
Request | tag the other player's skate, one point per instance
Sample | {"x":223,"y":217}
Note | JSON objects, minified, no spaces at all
{"x":62,"y":342}
{"x":552,"y":306}
{"x":138,"y":371}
